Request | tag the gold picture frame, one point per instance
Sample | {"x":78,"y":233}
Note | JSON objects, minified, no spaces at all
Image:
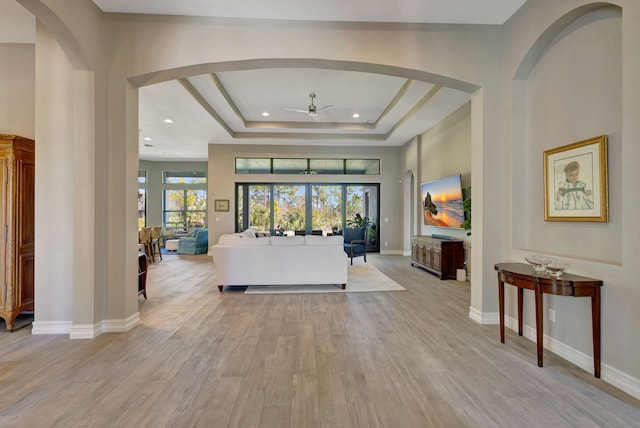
{"x":576,"y":182}
{"x":221,"y":204}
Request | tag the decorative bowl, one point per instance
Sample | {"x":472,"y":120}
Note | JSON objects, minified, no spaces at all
{"x":556,"y":269}
{"x":539,"y":263}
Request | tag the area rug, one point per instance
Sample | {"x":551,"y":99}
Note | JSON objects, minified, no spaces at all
{"x":361,"y":278}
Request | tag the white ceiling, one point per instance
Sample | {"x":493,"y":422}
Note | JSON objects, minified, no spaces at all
{"x":227,"y":107}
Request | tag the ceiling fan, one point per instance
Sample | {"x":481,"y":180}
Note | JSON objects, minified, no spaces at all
{"x":312,"y":110}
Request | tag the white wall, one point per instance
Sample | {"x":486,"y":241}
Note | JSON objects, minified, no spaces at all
{"x":410,"y":168}
{"x":574,"y":93}
{"x":54,"y":176}
{"x":573,"y":73}
{"x":446,"y":151}
{"x":71,"y":198}
{"x":17,"y":89}
{"x":442,"y":151}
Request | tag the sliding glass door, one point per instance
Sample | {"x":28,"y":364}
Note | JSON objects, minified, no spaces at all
{"x":326,"y":208}
{"x":289,"y":205}
{"x":259,"y":207}
{"x":307,"y":208}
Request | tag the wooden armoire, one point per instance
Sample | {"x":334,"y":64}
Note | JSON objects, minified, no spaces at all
{"x":17,"y":212}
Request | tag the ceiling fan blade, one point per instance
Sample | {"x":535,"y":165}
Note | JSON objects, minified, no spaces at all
{"x":296,"y":110}
{"x":323,"y":108}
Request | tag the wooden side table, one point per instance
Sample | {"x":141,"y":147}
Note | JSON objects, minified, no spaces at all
{"x":523,"y":276}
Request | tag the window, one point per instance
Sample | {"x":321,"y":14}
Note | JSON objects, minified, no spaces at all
{"x":307,"y":166}
{"x":142,"y":207}
{"x":142,"y":198}
{"x":326,"y":208}
{"x":326,"y":166}
{"x":184,"y":177}
{"x":309,"y":208}
{"x":362,"y":166}
{"x":184,"y":199}
{"x":259,"y":205}
{"x":290,"y":166}
{"x":185,"y":208}
{"x":253,"y":166}
{"x":289,"y":208}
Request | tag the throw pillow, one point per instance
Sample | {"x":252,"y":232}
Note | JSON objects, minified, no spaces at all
{"x":249,"y":233}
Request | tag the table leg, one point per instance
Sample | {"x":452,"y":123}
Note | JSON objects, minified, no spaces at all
{"x":539,"y":328}
{"x":520,"y":301}
{"x":595,"y":321}
{"x":501,"y":305}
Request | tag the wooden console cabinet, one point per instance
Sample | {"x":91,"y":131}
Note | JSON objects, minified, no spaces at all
{"x":17,"y":211}
{"x":441,"y":256}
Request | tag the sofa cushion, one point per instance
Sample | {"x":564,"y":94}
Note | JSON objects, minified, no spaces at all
{"x":235,"y":240}
{"x":323,"y":240}
{"x":286,"y":240}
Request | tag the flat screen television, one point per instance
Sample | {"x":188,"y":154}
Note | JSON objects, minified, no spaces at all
{"x":442,"y":202}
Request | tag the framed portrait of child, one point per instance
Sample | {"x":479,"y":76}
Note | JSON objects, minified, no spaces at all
{"x":575,"y":182}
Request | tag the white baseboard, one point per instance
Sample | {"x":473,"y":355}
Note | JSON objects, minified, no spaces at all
{"x":621,"y":380}
{"x":51,"y":327}
{"x":120,"y":326}
{"x":85,"y":331}
{"x":484,"y":318}
{"x":88,"y":331}
{"x":406,"y":253}
{"x":609,"y":374}
{"x":391,"y":252}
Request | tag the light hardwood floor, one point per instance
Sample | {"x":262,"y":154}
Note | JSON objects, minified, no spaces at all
{"x":207,"y":359}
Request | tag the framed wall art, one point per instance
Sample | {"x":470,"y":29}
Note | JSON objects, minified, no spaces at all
{"x":221,"y":204}
{"x":576,"y":182}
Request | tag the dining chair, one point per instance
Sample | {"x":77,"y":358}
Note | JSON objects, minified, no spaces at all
{"x":156,"y":235}
{"x":144,"y":237}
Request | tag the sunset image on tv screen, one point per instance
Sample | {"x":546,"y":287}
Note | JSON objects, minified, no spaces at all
{"x":442,"y":202}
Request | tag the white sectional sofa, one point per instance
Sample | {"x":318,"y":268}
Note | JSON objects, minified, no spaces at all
{"x":278,"y":260}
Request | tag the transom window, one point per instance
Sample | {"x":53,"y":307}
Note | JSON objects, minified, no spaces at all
{"x":184,"y":177}
{"x":307,"y":166}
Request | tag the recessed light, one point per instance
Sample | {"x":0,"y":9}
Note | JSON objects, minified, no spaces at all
{"x":356,"y":115}
{"x":167,"y":120}
{"x":265,"y":113}
{"x":147,"y":139}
